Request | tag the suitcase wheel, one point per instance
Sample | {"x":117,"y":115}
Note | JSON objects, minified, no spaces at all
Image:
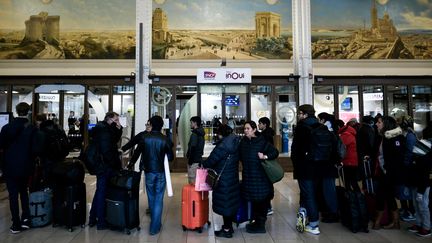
{"x":70,"y":229}
{"x":199,"y":230}
{"x":55,"y":225}
{"x":184,"y":228}
{"x":83,"y":226}
{"x":127,"y":231}
{"x":208,"y":223}
{"x":138,"y":228}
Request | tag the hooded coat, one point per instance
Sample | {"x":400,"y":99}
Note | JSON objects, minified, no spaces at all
{"x":196,"y":146}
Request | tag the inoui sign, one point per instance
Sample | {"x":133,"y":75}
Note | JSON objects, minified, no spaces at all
{"x":49,"y":97}
{"x":224,"y":75}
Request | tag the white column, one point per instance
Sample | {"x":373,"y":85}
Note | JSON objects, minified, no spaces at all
{"x":302,"y":52}
{"x":142,"y":70}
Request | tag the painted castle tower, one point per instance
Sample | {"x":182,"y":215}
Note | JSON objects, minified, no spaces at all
{"x":43,"y":27}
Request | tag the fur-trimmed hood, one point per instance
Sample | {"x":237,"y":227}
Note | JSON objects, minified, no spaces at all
{"x":393,"y":133}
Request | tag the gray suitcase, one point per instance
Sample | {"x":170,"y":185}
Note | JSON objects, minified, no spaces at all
{"x":41,"y":208}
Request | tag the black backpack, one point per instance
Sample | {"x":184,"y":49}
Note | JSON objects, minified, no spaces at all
{"x":322,"y":143}
{"x":57,"y":144}
{"x":92,"y":159}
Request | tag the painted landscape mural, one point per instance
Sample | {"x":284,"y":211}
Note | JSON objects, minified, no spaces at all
{"x":208,"y":29}
{"x":371,"y":29}
{"x":67,"y":29}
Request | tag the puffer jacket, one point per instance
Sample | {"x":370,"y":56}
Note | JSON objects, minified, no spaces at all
{"x":348,"y":137}
{"x":226,"y":198}
{"x":196,"y":146}
{"x":106,"y":137}
{"x":152,"y":148}
{"x":393,"y":147}
{"x":255,"y":184}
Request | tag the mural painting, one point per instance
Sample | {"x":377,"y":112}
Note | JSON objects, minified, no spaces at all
{"x":371,"y":29}
{"x":67,"y":29}
{"x":206,"y":29}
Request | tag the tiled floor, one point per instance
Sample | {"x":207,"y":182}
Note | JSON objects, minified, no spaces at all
{"x":280,"y":226}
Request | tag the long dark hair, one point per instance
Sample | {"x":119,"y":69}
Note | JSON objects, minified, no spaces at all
{"x":389,"y":123}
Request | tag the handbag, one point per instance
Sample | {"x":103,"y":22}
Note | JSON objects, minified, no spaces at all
{"x":213,"y":177}
{"x":200,"y":180}
{"x":273,"y":170}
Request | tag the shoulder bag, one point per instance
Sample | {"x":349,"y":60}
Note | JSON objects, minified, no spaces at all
{"x":273,"y":170}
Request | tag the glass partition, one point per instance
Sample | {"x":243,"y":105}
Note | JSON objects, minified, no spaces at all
{"x":261,"y":105}
{"x":373,"y":100}
{"x":422,"y":107}
{"x":3,"y":98}
{"x":285,"y":117}
{"x":323,"y":99}
{"x":397,"y":100}
{"x":348,"y":103}
{"x":21,"y":93}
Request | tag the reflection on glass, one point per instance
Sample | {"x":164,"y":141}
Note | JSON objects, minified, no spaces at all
{"x":285,"y":118}
{"x":3,"y":98}
{"x":422,"y":107}
{"x":99,"y":99}
{"x":348,"y":103}
{"x":211,"y":114}
{"x":21,"y":93}
{"x":373,"y":100}
{"x":323,"y":99}
{"x":184,"y":96}
{"x":260,"y":103}
{"x":397,"y":100}
{"x":123,"y":104}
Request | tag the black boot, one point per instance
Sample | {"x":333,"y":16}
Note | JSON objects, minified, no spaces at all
{"x":226,"y":232}
{"x":256,"y":227}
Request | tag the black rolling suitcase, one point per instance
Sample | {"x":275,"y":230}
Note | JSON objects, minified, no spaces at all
{"x":122,"y":201}
{"x":69,"y":204}
{"x":352,"y":207}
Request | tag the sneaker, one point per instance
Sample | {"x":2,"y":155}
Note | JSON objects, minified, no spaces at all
{"x":270,"y":211}
{"x":25,"y":224}
{"x":16,"y":229}
{"x":423,"y":233}
{"x":407,"y":217}
{"x":313,"y":230}
{"x":414,"y":228}
{"x":301,"y":222}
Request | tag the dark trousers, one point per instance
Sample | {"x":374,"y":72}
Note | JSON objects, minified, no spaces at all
{"x":259,"y":210}
{"x":18,"y":186}
{"x":97,"y":210}
{"x":350,"y":173}
{"x":228,"y":220}
{"x":386,"y":194}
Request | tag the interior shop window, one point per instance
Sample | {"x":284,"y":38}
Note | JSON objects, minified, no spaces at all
{"x":21,"y":93}
{"x":323,"y":99}
{"x":397,"y":100}
{"x":123,"y":104}
{"x":261,"y":104}
{"x":3,"y":98}
{"x":99,"y":102}
{"x":211,"y":114}
{"x":235,"y":106}
{"x":422,"y":107}
{"x":185,"y":108}
{"x":373,"y":100}
{"x":348,"y":103}
{"x":285,"y":118}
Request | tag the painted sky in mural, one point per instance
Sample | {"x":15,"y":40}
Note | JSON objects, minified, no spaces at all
{"x":215,"y":29}
{"x":67,"y":29}
{"x":368,"y":29}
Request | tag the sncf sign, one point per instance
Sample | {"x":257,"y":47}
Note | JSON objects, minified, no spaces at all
{"x":224,"y":75}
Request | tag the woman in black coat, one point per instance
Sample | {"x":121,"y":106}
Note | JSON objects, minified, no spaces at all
{"x":256,"y":187}
{"x":226,"y":198}
{"x":390,"y":164}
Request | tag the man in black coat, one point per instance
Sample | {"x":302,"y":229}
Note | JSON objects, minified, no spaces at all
{"x":106,"y":135}
{"x":195,"y":147}
{"x":153,"y":147}
{"x":19,"y":143}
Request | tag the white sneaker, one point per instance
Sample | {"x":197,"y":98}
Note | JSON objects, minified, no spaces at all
{"x":269,"y":211}
{"x":301,"y":222}
{"x":313,"y":230}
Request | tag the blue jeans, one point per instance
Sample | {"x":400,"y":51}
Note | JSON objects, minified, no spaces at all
{"x":97,"y":210}
{"x":155,"y":187}
{"x":421,"y":206}
{"x":308,"y":200}
{"x":330,"y":197}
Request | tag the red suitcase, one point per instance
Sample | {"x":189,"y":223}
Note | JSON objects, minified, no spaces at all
{"x":195,"y":209}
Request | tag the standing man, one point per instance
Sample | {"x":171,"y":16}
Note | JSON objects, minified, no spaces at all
{"x":311,"y":164}
{"x":106,"y":134}
{"x":195,"y":147}
{"x":268,"y":133}
{"x":19,"y":143}
{"x":153,"y":147}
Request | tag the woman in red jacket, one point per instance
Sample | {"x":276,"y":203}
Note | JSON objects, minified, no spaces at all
{"x":350,"y":163}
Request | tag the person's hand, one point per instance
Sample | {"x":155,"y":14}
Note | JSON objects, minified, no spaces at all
{"x":262,"y":156}
{"x":419,"y":197}
{"x":130,"y":166}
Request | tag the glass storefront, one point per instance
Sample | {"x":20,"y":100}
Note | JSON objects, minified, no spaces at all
{"x":373,"y":100}
{"x":422,"y":107}
{"x":348,"y":103}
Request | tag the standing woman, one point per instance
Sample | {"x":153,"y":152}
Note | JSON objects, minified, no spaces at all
{"x":390,"y":164}
{"x":226,"y":198}
{"x":256,"y":187}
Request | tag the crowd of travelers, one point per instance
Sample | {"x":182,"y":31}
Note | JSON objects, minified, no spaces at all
{"x":322,"y":147}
